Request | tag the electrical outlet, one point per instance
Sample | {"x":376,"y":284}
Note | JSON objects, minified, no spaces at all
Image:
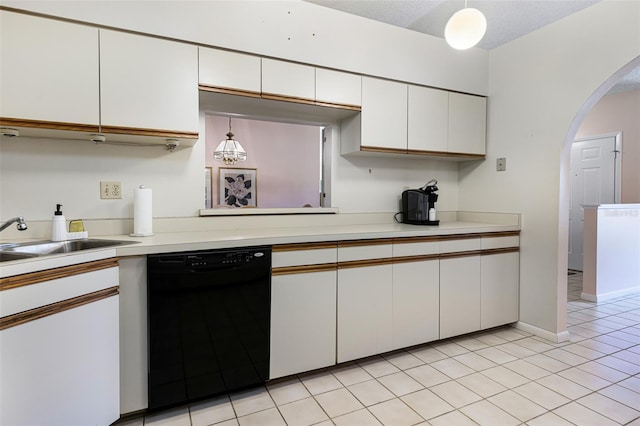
{"x":110,"y":190}
{"x":501,"y":164}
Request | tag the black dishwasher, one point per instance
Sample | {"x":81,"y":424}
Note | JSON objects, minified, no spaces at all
{"x":208,"y":314}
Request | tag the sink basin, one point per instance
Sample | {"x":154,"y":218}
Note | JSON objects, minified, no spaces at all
{"x":8,"y":256}
{"x":42,"y":248}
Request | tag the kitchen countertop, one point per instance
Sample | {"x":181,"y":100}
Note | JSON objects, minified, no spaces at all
{"x":205,"y":240}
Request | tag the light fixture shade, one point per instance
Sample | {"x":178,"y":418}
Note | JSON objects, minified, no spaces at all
{"x":230,"y":151}
{"x":465,"y":28}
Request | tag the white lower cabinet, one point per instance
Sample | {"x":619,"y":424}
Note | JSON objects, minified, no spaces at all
{"x":499,"y":284}
{"x":416,"y":303}
{"x":365,"y":311}
{"x":459,"y":295}
{"x":59,"y":359}
{"x":303,"y":322}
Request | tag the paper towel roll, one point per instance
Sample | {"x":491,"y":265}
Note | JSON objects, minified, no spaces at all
{"x":142,"y":212}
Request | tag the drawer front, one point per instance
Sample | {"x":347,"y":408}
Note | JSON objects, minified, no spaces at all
{"x":415,"y":249}
{"x":364,"y":252}
{"x":500,"y":242}
{"x":32,"y":296}
{"x":304,"y":257}
{"x":454,"y":246}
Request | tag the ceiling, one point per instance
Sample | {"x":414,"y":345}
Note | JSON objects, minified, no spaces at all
{"x":506,"y":19}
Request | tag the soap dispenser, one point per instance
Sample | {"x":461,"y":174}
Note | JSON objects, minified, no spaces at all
{"x":58,"y":225}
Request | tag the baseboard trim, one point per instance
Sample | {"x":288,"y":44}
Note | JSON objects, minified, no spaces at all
{"x":563,"y":336}
{"x":603,"y":297}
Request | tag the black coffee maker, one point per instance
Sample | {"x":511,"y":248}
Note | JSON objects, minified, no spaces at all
{"x":418,"y":205}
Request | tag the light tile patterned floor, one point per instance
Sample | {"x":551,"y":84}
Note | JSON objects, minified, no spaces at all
{"x":498,"y":377}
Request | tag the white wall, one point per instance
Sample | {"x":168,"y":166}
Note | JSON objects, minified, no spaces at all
{"x":36,"y":174}
{"x":538,"y":85}
{"x":614,"y":113}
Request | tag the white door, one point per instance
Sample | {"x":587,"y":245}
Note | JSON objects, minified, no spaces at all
{"x":595,"y":163}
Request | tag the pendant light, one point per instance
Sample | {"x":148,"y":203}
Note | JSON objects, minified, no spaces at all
{"x":465,"y":28}
{"x":229,"y":150}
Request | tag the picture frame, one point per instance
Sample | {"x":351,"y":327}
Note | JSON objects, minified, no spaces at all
{"x":208,"y":185}
{"x":237,"y":187}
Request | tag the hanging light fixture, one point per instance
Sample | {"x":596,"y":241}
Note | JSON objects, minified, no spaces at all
{"x":465,"y":28}
{"x":229,"y":150}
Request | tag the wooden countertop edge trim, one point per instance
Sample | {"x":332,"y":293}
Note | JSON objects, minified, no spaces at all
{"x":416,"y":258}
{"x":501,"y":250}
{"x":390,"y":260}
{"x":304,"y":246}
{"x":396,"y":240}
{"x":362,"y":243}
{"x":57,"y":307}
{"x":364,"y":262}
{"x":56,"y":273}
{"x":502,"y":234}
{"x":413,"y":240}
{"x":304,"y":269}
{"x":467,"y":253}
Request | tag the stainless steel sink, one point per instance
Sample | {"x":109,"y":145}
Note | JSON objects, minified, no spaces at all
{"x":8,"y":256}
{"x":42,"y":248}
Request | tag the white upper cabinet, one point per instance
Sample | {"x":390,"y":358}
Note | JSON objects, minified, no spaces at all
{"x":288,"y":79}
{"x":228,"y":70}
{"x":428,"y":118}
{"x":48,"y":70}
{"x":384,"y":114}
{"x":148,"y":83}
{"x":335,"y":87}
{"x":467,"y":124}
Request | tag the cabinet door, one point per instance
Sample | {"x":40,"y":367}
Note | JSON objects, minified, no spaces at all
{"x":48,"y":70}
{"x":467,"y":123}
{"x":335,"y":87}
{"x":62,"y":369}
{"x":228,"y":70}
{"x":148,"y":83}
{"x":416,"y":302}
{"x":364,"y":311}
{"x":288,"y":79}
{"x":384,"y":114}
{"x":428,"y":120}
{"x":500,"y":276}
{"x":459,"y":296}
{"x":303,"y":322}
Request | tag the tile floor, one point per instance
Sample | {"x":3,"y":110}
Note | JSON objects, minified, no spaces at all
{"x":498,"y":377}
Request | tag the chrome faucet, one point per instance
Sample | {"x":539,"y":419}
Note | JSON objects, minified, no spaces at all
{"x":21,"y":224}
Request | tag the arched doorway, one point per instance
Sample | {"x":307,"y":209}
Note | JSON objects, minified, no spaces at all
{"x":564,"y":201}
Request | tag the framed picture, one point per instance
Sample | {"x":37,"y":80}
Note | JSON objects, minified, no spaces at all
{"x":238,"y":187}
{"x":208,"y":182}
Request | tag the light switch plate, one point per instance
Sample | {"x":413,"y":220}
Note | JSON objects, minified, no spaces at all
{"x":501,"y":164}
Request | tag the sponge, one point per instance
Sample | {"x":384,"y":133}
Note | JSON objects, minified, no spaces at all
{"x":76,"y":226}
